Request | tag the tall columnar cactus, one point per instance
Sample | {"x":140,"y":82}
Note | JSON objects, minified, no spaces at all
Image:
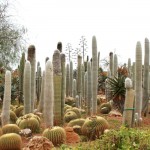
{"x":67,"y":80}
{"x":41,"y":102}
{"x":79,"y":78}
{"x":32,"y":59}
{"x":115,"y":65}
{"x":85,"y":88}
{"x":71,"y":79}
{"x":59,"y":46}
{"x":5,"y":117}
{"x":133,"y":74}
{"x":82,"y":89}
{"x":129,"y":104}
{"x":94,"y":76}
{"x":27,"y":88}
{"x":89,"y":89}
{"x":74,"y":88}
{"x":111,"y":63}
{"x":146,"y":79}
{"x":48,"y":94}
{"x":38,"y":81}
{"x":57,"y":87}
{"x":129,"y":67}
{"x":138,"y":80}
{"x":63,"y":84}
{"x":21,"y":73}
{"x":98,"y":60}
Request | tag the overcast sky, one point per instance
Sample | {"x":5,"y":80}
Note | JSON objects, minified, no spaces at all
{"x":117,"y":25}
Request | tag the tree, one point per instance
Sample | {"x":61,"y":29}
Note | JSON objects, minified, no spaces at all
{"x":11,"y":37}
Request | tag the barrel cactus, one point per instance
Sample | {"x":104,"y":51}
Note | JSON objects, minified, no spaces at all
{"x":93,"y":127}
{"x":79,"y":122}
{"x":10,"y":128}
{"x":76,"y":110}
{"x":10,"y":141}
{"x":70,"y":115}
{"x":13,"y":117}
{"x":56,"y":135}
{"x":19,"y":111}
{"x":105,"y":108}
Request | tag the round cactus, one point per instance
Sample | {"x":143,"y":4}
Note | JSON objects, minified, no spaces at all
{"x":93,"y":127}
{"x":19,"y":111}
{"x":67,"y":107}
{"x":13,"y":117}
{"x":75,"y":122}
{"x":70,"y":115}
{"x":10,"y":128}
{"x":29,"y":121}
{"x":76,"y":110}
{"x":10,"y":141}
{"x":105,"y":108}
{"x":56,"y":135}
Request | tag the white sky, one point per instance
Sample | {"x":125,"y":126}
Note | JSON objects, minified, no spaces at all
{"x":117,"y":25}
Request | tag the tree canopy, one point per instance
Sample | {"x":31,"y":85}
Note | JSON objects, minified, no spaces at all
{"x":11,"y":37}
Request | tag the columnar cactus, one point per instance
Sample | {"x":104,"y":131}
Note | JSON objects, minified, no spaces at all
{"x":74,"y":88}
{"x":89,"y":89}
{"x":98,"y":60}
{"x":133,"y":74}
{"x":94,"y":76}
{"x":129,"y":104}
{"x":82,"y":75}
{"x":77,"y":101}
{"x":138,"y":79}
{"x":63,"y":84}
{"x":71,"y":79}
{"x":79,"y":78}
{"x":129,"y":67}
{"x":67,"y":80}
{"x":27,"y":88}
{"x":57,"y":87}
{"x":41,"y":102}
{"x":21,"y":73}
{"x":48,"y":94}
{"x":115,"y":66}
{"x":146,"y":78}
{"x":85,"y":88}
{"x":32,"y":59}
{"x":5,"y":117}
{"x":111,"y":63}
{"x":59,"y":46}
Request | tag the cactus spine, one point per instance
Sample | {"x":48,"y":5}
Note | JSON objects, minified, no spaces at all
{"x":7,"y":99}
{"x":129,"y":103}
{"x":138,"y":79}
{"x":146,"y":78}
{"x":21,"y":73}
{"x":41,"y":102}
{"x":48,"y":95}
{"x":115,"y":65}
{"x":89,"y":88}
{"x":94,"y":75}
{"x":57,"y":87}
{"x":27,"y":88}
{"x":67,"y":80}
{"x":32,"y":59}
{"x":63,"y":84}
{"x":71,"y":79}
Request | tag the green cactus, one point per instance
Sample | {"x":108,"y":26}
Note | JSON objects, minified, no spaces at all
{"x":78,"y":121}
{"x":98,"y":59}
{"x":71,"y":79}
{"x":82,"y":75}
{"x":105,"y":108}
{"x":146,"y":79}
{"x":115,"y":66}
{"x":27,"y":88}
{"x":133,"y":75}
{"x":59,"y":46}
{"x":85,"y":88}
{"x":19,"y":111}
{"x":129,"y":104}
{"x":48,"y":95}
{"x":74,"y":88}
{"x":21,"y":74}
{"x":70,"y":115}
{"x":13,"y":117}
{"x":10,"y":128}
{"x":57,"y":87}
{"x":56,"y":135}
{"x":63,"y":84}
{"x":10,"y":141}
{"x":93,"y":127}
{"x":66,"y":106}
{"x":111,"y":63}
{"x":5,"y":116}
{"x":76,"y":110}
{"x":29,"y":121}
{"x":138,"y":80}
{"x":79,"y":79}
{"x":67,"y":80}
{"x":32,"y":59}
{"x":77,"y":101}
{"x":94,"y":76}
{"x":129,"y":67}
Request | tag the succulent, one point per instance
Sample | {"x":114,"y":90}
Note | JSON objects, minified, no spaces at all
{"x":10,"y":141}
{"x":93,"y":127}
{"x":13,"y":117}
{"x":56,"y":135}
{"x":75,"y":122}
{"x":30,"y":121}
{"x":19,"y":111}
{"x":105,"y":108}
{"x":67,"y":107}
{"x":76,"y":110}
{"x":70,"y":115}
{"x":10,"y":128}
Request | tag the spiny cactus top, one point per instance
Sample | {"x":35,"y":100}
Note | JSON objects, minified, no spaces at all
{"x":59,"y":46}
{"x":128,"y":83}
{"x":31,"y":52}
